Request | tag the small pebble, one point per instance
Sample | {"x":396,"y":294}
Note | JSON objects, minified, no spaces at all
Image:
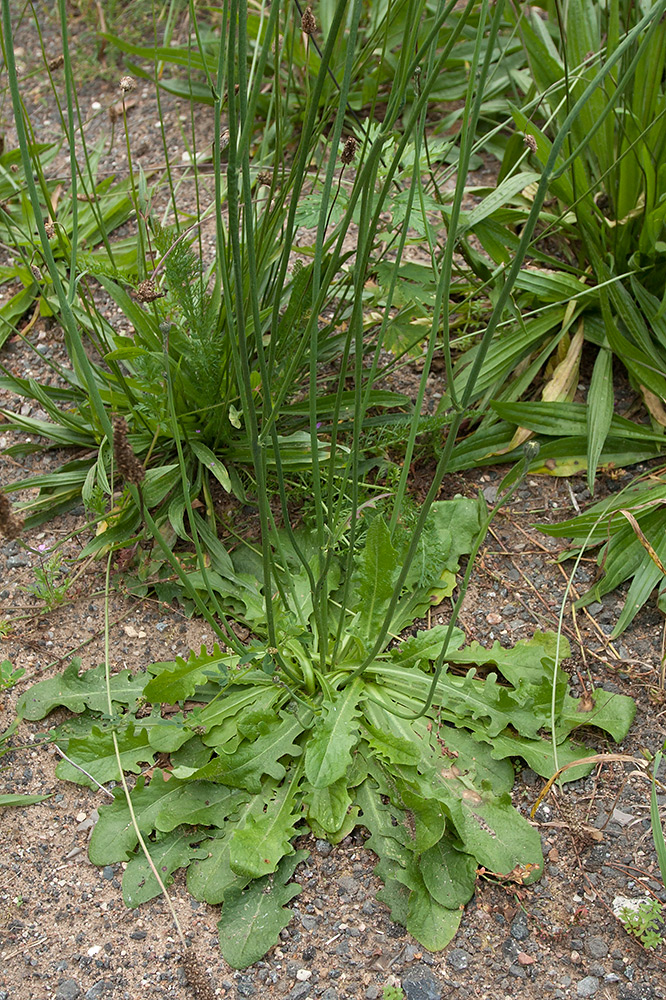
{"x":458,"y":959}
{"x":596,"y":947}
{"x":420,"y":984}
{"x":68,"y":989}
{"x":587,"y":987}
{"x":519,"y":928}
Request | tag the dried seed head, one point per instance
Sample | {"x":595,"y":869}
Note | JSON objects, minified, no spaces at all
{"x":129,"y":467}
{"x":36,"y":273}
{"x":349,"y":150}
{"x":56,"y":63}
{"x":530,"y":142}
{"x":11,"y":525}
{"x":147,"y":291}
{"x":196,"y":978}
{"x":265,"y":177}
{"x":127,"y":84}
{"x":308,"y":23}
{"x":224,"y":138}
{"x":50,"y":228}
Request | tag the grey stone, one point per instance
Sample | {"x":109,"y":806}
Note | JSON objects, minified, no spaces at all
{"x":15,"y":561}
{"x":323,"y":847}
{"x":300,"y":991}
{"x":330,"y":994}
{"x":420,"y":984}
{"x":244,"y":987}
{"x":517,"y":971}
{"x":309,"y":922}
{"x":98,"y":990}
{"x":368,"y":908}
{"x":510,"y":949}
{"x":68,"y":989}
{"x":458,"y":959}
{"x":620,"y":817}
{"x":519,"y":928}
{"x":108,"y":872}
{"x":349,"y":884}
{"x":372,"y":993}
{"x":596,"y":947}
{"x":587,"y":987}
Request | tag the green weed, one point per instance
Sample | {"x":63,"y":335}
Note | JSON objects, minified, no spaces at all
{"x":645,"y":922}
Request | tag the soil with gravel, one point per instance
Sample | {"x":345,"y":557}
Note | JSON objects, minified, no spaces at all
{"x":64,"y":930}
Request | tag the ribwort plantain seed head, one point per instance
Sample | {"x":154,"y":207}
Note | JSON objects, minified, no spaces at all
{"x":127,"y":84}
{"x":349,"y":150}
{"x":147,"y":291}
{"x":308,"y":23}
{"x":129,"y":467}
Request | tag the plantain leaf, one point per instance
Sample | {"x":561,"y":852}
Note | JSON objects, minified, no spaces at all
{"x":21,"y":800}
{"x":79,"y":691}
{"x":257,"y":848}
{"x":245,"y":767}
{"x":162,"y":805}
{"x":328,"y":807}
{"x":448,"y":874}
{"x":252,"y":918}
{"x":211,"y":462}
{"x":334,"y":736}
{"x":96,"y":754}
{"x":490,"y":828}
{"x":599,"y":411}
{"x":169,"y":852}
{"x":432,"y":924}
{"x":179,"y":680}
{"x":377,"y":570}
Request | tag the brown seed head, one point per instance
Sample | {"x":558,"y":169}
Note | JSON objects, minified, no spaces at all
{"x":56,"y":63}
{"x":530,"y":142}
{"x":11,"y":525}
{"x":147,"y":291}
{"x":36,"y":273}
{"x":127,"y":84}
{"x":196,"y":977}
{"x":265,"y":177}
{"x":129,"y":467}
{"x":50,"y":228}
{"x":308,"y":23}
{"x":349,"y":150}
